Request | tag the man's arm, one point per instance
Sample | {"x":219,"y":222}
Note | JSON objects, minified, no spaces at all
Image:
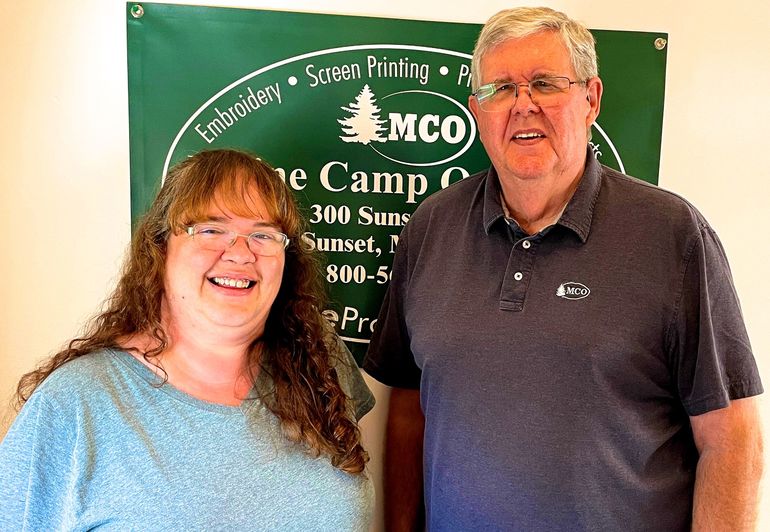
{"x":404,"y":506}
{"x":729,"y":469}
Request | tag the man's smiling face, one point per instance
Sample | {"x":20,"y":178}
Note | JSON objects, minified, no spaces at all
{"x":527,"y":141}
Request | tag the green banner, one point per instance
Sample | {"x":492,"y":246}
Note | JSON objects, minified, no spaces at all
{"x":364,"y":117}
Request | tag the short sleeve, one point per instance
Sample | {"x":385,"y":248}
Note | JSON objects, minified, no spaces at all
{"x":709,"y":347}
{"x":351,"y":380}
{"x":35,"y":469}
{"x":389,"y":358}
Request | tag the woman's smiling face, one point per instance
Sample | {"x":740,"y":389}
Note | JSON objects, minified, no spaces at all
{"x":232,"y":290}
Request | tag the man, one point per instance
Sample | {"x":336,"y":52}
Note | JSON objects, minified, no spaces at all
{"x":572,"y":335}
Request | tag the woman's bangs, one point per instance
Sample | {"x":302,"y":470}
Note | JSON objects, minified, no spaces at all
{"x":235,"y":191}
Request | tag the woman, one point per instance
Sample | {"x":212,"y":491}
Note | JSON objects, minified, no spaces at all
{"x":210,"y":394}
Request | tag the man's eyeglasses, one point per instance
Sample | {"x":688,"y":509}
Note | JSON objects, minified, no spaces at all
{"x":544,"y":92}
{"x":216,"y":237}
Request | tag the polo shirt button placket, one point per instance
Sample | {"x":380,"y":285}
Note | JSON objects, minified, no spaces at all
{"x":520,"y":262}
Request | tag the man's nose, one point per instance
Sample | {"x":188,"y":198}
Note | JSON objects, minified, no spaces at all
{"x":523,"y":103}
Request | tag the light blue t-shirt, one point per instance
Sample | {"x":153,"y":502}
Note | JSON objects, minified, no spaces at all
{"x":100,"y":444}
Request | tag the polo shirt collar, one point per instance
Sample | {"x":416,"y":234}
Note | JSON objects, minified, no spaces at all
{"x":577,"y":215}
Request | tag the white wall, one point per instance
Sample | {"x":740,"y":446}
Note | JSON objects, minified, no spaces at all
{"x":64,"y":183}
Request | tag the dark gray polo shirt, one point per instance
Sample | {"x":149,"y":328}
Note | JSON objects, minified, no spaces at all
{"x":557,"y":371}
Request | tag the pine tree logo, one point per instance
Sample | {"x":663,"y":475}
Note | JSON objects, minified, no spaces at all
{"x":573,"y":290}
{"x":364,"y":124}
{"x":560,"y":291}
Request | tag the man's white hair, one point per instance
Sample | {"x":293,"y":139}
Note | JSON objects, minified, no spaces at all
{"x":523,"y":21}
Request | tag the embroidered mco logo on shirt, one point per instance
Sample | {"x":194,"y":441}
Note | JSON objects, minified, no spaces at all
{"x":573,"y":290}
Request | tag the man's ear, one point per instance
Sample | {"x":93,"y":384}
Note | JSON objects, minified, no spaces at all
{"x":595,"y":89}
{"x":473,"y":105}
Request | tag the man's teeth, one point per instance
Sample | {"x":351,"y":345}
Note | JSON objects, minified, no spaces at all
{"x":231,"y":283}
{"x":528,"y":135}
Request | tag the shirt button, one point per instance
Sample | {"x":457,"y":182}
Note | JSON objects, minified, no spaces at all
{"x":526,"y":244}
{"x":518,"y":276}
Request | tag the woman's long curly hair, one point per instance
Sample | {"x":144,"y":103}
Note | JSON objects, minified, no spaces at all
{"x":296,"y":349}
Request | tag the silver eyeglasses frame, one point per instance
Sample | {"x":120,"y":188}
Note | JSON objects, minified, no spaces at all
{"x":543,"y":87}
{"x":255,"y":241}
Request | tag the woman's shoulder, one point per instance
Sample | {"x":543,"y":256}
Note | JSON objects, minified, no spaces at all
{"x":66,"y":397}
{"x":83,"y":376}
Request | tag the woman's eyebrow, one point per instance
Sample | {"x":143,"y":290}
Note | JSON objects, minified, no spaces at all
{"x":258,"y":224}
{"x":271,"y":225}
{"x":220,"y":219}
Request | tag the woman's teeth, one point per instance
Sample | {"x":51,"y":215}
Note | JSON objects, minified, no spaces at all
{"x":231,"y":283}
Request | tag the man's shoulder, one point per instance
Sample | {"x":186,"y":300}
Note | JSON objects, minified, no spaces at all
{"x":639,"y":200}
{"x":448,"y":202}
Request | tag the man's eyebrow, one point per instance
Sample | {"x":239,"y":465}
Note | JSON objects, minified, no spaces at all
{"x":538,"y":75}
{"x":547,"y":74}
